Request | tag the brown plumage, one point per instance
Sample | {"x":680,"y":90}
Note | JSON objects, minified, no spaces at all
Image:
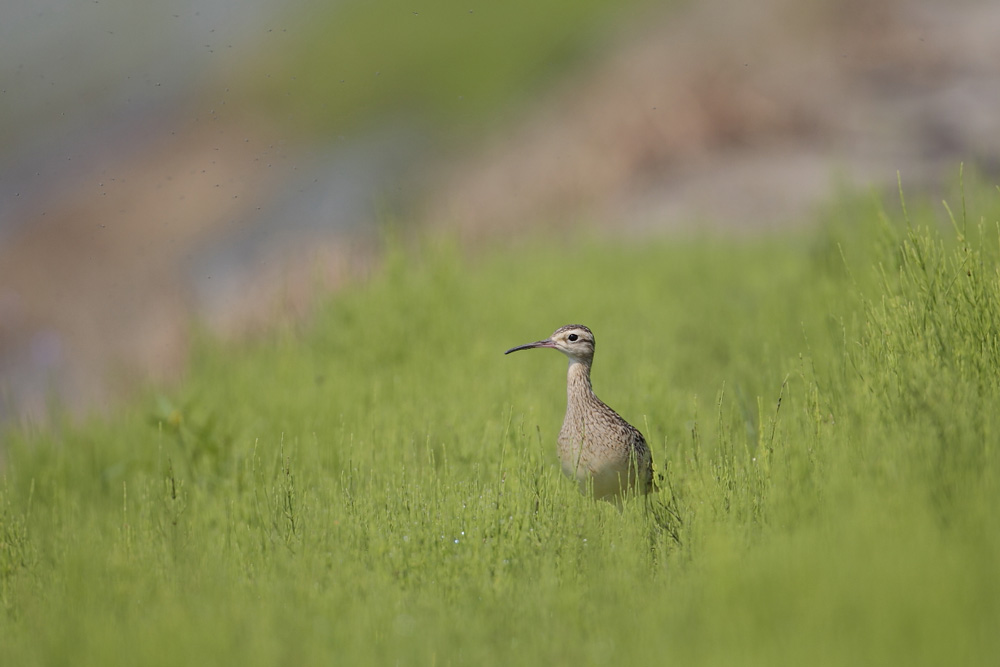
{"x":597,"y":448}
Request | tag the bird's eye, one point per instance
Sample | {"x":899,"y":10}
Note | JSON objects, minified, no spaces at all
{"x":572,"y":338}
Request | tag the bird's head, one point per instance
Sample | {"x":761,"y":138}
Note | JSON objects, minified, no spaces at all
{"x":574,"y":340}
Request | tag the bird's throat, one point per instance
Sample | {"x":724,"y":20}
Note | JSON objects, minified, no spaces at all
{"x":578,"y":386}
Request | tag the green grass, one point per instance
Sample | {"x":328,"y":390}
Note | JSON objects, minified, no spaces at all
{"x":453,"y":66}
{"x":380,"y":485}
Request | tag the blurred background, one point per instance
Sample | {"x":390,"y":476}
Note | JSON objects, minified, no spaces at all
{"x":190,"y":165}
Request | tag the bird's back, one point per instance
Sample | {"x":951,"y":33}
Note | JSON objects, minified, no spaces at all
{"x":597,"y":446}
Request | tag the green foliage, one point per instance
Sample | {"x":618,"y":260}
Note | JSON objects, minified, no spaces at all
{"x":450,"y":64}
{"x":382,"y":485}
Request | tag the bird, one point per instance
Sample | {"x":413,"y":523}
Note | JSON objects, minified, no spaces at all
{"x":606,"y":455}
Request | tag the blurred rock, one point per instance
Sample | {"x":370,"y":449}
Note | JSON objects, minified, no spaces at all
{"x":738,"y":115}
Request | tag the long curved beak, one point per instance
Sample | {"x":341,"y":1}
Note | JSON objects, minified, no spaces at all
{"x":538,"y":343}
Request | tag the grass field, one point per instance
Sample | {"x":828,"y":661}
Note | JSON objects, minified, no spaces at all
{"x":380,"y":484}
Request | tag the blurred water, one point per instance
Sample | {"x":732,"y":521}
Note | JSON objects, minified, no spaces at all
{"x":139,"y":201}
{"x":81,"y":78}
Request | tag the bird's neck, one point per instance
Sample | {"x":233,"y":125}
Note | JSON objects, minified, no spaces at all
{"x":578,"y":381}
